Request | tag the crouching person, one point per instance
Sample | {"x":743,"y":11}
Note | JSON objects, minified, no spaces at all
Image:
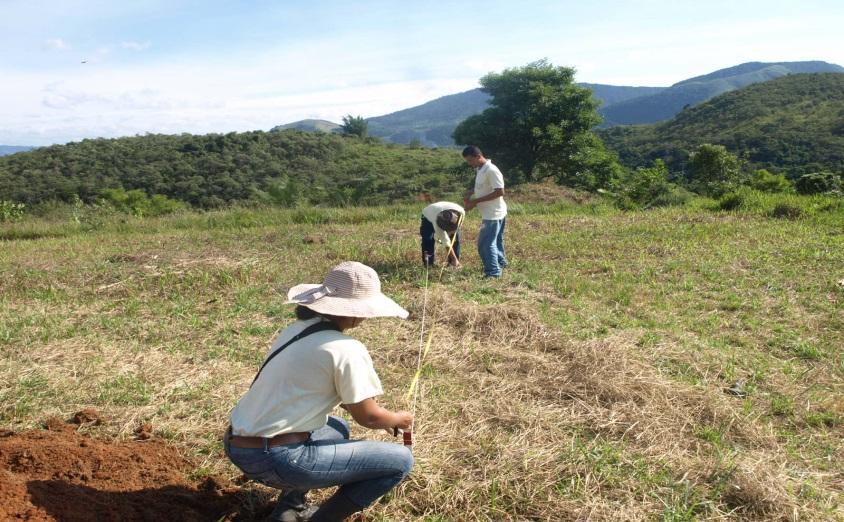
{"x":441,"y":222}
{"x":281,"y":433}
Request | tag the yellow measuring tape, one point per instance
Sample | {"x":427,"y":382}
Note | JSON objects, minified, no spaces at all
{"x":414,"y":383}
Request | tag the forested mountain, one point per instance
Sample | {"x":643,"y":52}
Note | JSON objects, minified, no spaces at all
{"x":309,"y":125}
{"x":432,"y":123}
{"x":11,"y":149}
{"x":794,"y":124}
{"x":611,"y":94}
{"x":214,"y":169}
{"x":667,"y":103}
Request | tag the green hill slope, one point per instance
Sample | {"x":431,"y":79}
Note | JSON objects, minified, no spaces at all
{"x":794,"y":124}
{"x":214,"y":169}
{"x":667,"y":103}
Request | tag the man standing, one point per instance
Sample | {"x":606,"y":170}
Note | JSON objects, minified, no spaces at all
{"x":441,"y":222}
{"x":488,"y":196}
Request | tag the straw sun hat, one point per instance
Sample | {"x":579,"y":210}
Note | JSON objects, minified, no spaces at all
{"x":351,"y":289}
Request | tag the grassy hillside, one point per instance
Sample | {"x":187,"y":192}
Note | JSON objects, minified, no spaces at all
{"x":588,"y":383}
{"x":793,"y":124}
{"x":215,"y":169}
{"x":668,"y":102}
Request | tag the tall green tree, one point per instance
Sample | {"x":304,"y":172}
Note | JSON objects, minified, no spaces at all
{"x":354,"y":126}
{"x":714,"y":170}
{"x":539,"y":124}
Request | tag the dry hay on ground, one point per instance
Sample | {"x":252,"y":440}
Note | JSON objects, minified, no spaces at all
{"x":558,"y":429}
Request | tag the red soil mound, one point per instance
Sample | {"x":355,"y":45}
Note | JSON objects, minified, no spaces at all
{"x":62,"y":475}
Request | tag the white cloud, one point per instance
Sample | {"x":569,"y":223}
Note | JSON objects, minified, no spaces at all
{"x":56,"y":44}
{"x":237,"y":88}
{"x":110,"y":101}
{"x":135,"y":46}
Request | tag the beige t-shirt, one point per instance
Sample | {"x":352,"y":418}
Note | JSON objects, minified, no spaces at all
{"x":304,"y":383}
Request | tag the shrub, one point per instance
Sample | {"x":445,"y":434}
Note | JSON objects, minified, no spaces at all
{"x":10,"y":211}
{"x":787,"y":211}
{"x":160,"y":205}
{"x":137,"y":203}
{"x":285,"y":192}
{"x":675,"y":196}
{"x":764,"y":181}
{"x":819,"y":183}
{"x":647,"y":188}
{"x":731,"y":201}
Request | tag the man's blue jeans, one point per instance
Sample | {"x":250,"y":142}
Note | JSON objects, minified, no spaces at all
{"x":364,"y":470}
{"x":491,"y":246}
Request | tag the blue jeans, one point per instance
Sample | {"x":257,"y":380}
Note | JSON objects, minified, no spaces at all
{"x":426,"y":230}
{"x":491,"y":246}
{"x":364,"y":470}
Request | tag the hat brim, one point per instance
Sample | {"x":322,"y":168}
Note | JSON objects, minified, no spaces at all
{"x":376,"y":306}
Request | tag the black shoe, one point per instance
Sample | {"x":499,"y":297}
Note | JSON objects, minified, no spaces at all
{"x":290,"y":514}
{"x":291,"y":507}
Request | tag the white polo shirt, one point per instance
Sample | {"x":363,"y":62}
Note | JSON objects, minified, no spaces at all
{"x":487,"y":179}
{"x":433,"y":210}
{"x":304,"y":383}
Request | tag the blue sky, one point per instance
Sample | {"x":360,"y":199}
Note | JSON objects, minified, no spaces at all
{"x":189,"y":66}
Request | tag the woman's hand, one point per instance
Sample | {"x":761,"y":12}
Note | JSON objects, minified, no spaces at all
{"x":404,"y":420}
{"x":369,"y":414}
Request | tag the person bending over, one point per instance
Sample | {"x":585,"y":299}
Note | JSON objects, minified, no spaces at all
{"x":282,"y":433}
{"x":441,"y":222}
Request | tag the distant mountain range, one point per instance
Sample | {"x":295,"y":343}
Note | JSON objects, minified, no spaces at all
{"x":792,"y":124}
{"x":665,"y":104}
{"x":11,"y":149}
{"x":432,"y":123}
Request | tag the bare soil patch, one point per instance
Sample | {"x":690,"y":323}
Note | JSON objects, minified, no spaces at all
{"x":61,"y":474}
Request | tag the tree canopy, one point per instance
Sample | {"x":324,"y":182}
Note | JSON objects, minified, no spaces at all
{"x":287,"y":167}
{"x":713,"y":170}
{"x":539,"y":124}
{"x":354,"y":126}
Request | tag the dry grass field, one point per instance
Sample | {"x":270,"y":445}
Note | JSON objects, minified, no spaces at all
{"x":681,"y":364}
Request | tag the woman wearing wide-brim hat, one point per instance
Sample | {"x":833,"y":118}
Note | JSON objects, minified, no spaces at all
{"x":281,"y":432}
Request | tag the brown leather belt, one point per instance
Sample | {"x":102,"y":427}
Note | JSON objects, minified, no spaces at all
{"x":237,"y":441}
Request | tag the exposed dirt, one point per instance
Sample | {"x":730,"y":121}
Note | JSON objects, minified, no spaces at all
{"x":87,"y":416}
{"x":60,"y":474}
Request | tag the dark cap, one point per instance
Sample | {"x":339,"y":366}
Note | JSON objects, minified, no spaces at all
{"x":448,"y":220}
